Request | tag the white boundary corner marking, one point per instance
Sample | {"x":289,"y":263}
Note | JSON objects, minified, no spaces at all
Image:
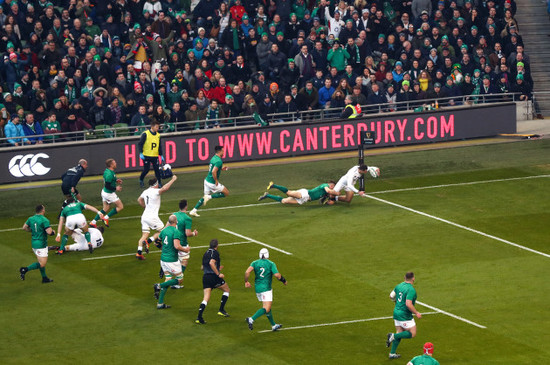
{"x":254,"y":241}
{"x":458,"y":226}
{"x":450,"y":315}
{"x":342,"y":322}
{"x":132,"y":254}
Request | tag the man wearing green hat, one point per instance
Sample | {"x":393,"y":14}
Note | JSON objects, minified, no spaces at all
{"x":98,"y":69}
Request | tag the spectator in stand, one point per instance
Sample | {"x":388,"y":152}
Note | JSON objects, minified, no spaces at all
{"x":33,"y":130}
{"x":14,"y":132}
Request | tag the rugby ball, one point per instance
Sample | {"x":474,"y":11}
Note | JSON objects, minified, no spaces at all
{"x":374,"y":171}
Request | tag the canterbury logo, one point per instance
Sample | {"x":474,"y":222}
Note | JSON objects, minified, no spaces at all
{"x":28,"y":165}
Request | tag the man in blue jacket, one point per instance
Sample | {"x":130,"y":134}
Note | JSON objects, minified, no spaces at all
{"x":33,"y":130}
{"x":14,"y":132}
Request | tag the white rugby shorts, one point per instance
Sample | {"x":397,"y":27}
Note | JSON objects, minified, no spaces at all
{"x":266,"y":296}
{"x":210,"y":188}
{"x":40,"y":252}
{"x":109,"y":198}
{"x":405,"y":324}
{"x":149,"y":223}
{"x":305,"y":196}
{"x":174,"y":268}
{"x":342,"y":184}
{"x":183,"y":256}
{"x":75,"y":221}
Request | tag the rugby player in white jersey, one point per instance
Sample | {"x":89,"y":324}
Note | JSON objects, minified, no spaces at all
{"x":347,"y":182}
{"x":150,"y":200}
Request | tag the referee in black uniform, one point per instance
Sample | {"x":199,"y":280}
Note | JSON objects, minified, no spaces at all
{"x":212,"y":279}
{"x":70,"y":179}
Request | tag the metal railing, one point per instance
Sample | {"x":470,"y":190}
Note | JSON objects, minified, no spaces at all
{"x":541,"y":103}
{"x":286,"y":117}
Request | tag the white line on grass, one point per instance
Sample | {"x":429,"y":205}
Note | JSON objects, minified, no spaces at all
{"x":450,"y":315}
{"x":458,"y":226}
{"x":459,"y":184}
{"x":254,"y":241}
{"x":132,"y":254}
{"x":342,"y":322}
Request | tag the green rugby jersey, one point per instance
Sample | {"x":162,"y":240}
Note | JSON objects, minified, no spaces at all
{"x":404,"y":291}
{"x":264,"y":270}
{"x":317,"y":192}
{"x":109,"y":181}
{"x":38,"y":225}
{"x":215,"y":161}
{"x":184,"y":222}
{"x":167,"y":236}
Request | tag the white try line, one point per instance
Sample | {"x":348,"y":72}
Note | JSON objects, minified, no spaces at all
{"x":254,"y":241}
{"x":450,"y":315}
{"x":459,"y":184}
{"x":458,"y":226}
{"x":341,"y":322}
{"x":159,"y":251}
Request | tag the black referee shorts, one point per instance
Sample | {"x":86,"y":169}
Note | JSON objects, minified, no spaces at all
{"x":212,"y":281}
{"x":67,"y":190}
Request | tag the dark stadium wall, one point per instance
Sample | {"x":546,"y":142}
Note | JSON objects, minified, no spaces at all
{"x":46,"y":162}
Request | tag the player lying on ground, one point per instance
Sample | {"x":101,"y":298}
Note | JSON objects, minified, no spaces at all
{"x":96,"y":238}
{"x":300,"y":196}
{"x":347,"y":182}
{"x":73,"y":218}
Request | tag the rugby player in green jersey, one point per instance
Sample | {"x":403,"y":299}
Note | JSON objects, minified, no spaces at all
{"x":404,"y":296}
{"x":171,"y":246}
{"x":426,"y":358}
{"x":111,"y":185}
{"x":300,"y":196}
{"x":264,"y":270}
{"x":212,"y":186}
{"x":39,"y":226}
{"x":185,"y":228}
{"x":73,"y":218}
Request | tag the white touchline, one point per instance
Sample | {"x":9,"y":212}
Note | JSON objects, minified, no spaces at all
{"x":459,"y":226}
{"x":159,"y":251}
{"x":374,"y":192}
{"x":459,"y":184}
{"x":342,"y":322}
{"x":449,"y":314}
{"x":254,"y":241}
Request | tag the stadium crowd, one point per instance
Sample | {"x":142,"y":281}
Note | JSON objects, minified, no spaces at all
{"x":76,"y":65}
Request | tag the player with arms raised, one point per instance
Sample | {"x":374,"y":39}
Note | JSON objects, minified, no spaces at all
{"x":264,"y":270}
{"x":150,"y":200}
{"x":111,"y":185}
{"x":212,"y":186}
{"x":73,"y":218}
{"x":404,"y":296}
{"x":40,"y":228}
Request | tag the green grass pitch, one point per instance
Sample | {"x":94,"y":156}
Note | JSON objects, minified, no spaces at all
{"x":452,"y":216}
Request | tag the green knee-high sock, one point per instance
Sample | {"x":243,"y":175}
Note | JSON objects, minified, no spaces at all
{"x":87,"y":236}
{"x":270,"y":317}
{"x":280,"y":187}
{"x":161,"y":295}
{"x":43,"y":272}
{"x":218,"y":195}
{"x":96,"y":218}
{"x":394,"y":345}
{"x":404,"y":334}
{"x":169,"y":283}
{"x":199,"y":203}
{"x":183,"y":268}
{"x":112,"y":213}
{"x":260,"y":312}
{"x":274,"y":197}
{"x":33,"y":266}
{"x":64,"y":240}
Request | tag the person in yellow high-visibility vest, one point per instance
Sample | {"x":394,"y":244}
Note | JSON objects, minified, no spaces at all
{"x":149,"y":151}
{"x":350,"y":110}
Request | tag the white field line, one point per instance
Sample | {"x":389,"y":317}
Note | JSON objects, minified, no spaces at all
{"x":373,"y":193}
{"x":342,"y":322}
{"x":254,"y":241}
{"x":450,"y":315}
{"x":458,"y":226}
{"x":458,"y":184}
{"x":132,"y":254}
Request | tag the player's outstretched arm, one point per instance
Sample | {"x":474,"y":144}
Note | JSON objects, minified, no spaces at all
{"x":93,"y":209}
{"x":167,"y":186}
{"x":280,"y":277}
